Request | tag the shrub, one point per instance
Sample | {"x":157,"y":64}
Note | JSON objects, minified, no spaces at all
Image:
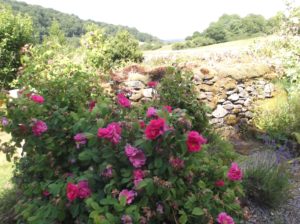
{"x":87,"y":158}
{"x":15,"y":32}
{"x":265,"y":181}
{"x":106,"y":53}
{"x":178,"y":90}
{"x":8,"y":201}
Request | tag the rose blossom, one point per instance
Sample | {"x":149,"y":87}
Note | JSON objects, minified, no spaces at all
{"x":123,"y":101}
{"x":37,"y":98}
{"x":80,"y":139}
{"x":234,"y":173}
{"x":107,"y":172}
{"x":156,"y":128}
{"x":126,"y":219}
{"x":83,"y":189}
{"x":142,"y":124}
{"x":195,"y":141}
{"x":92,"y":104}
{"x":46,"y":193}
{"x":176,"y":163}
{"x":138,"y":176}
{"x":135,"y":156}
{"x":128,"y":194}
{"x":39,"y":128}
{"x":72,"y":191}
{"x":4,"y":121}
{"x":223,"y":218}
{"x":151,"y":112}
{"x":112,"y":132}
{"x":152,"y":84}
{"x":167,"y":108}
{"x":219,"y":183}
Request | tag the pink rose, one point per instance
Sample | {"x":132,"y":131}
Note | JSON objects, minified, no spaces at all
{"x":176,"y":163}
{"x":112,"y":132}
{"x":135,"y":156}
{"x":223,"y":218}
{"x":152,"y":84}
{"x":128,"y":194}
{"x":155,"y":128}
{"x":234,"y":173}
{"x":151,"y":112}
{"x":83,"y":189}
{"x":195,"y":141}
{"x":123,"y":101}
{"x":219,"y":183}
{"x":72,"y":191}
{"x":37,"y":98}
{"x":39,"y":128}
{"x":138,"y":176}
{"x":167,"y":108}
{"x":80,"y":139}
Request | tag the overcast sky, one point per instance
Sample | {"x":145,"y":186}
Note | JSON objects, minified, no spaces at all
{"x":166,"y":19}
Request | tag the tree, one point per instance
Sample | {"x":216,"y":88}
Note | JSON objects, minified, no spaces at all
{"x":15,"y":32}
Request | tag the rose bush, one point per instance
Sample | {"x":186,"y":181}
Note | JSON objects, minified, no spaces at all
{"x":89,"y":158}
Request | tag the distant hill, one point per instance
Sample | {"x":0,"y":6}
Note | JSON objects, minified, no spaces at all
{"x":71,"y":25}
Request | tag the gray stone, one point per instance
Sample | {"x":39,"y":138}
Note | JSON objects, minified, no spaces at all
{"x":221,"y":101}
{"x":247,"y":102}
{"x":239,"y":102}
{"x":214,"y":121}
{"x":238,"y":106}
{"x":249,"y":89}
{"x":201,"y":96}
{"x":249,"y":114}
{"x":233,"y":97}
{"x":133,"y":76}
{"x":240,"y":89}
{"x":261,"y":82}
{"x":136,"y":97}
{"x":231,"y":92}
{"x":148,"y":92}
{"x":135,"y":84}
{"x":227,"y":102}
{"x":243,"y":94}
{"x":228,"y":106}
{"x":269,"y":88}
{"x":219,"y":112}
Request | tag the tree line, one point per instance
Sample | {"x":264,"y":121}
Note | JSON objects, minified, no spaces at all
{"x":232,"y":27}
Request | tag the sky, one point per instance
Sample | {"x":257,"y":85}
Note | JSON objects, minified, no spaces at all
{"x":166,"y":19}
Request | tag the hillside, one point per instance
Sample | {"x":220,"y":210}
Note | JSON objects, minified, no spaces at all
{"x":71,"y":25}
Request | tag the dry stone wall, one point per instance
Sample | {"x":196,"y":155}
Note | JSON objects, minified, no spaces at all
{"x":229,"y":95}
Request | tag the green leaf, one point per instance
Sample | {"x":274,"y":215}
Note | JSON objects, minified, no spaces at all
{"x":183,"y":218}
{"x":85,"y":156}
{"x":197,"y":211}
{"x":297,"y":136}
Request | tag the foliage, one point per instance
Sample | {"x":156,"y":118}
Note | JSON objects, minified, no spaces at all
{"x":266,"y":182}
{"x":232,"y":27}
{"x":151,"y":46}
{"x":106,"y":53}
{"x":8,"y":201}
{"x":71,"y":25}
{"x":15,"y":32}
{"x":178,"y":90}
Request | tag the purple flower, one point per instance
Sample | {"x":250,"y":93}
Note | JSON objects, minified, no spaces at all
{"x":4,"y":121}
{"x":126,"y":219}
{"x":80,"y":139}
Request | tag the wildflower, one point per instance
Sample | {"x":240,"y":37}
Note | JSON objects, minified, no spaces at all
{"x":112,"y":132}
{"x":155,"y":128}
{"x":39,"y":128}
{"x":160,"y":208}
{"x":128,"y":194}
{"x":151,"y":112}
{"x":195,"y":141}
{"x":46,"y":193}
{"x":234,"y":173}
{"x":152,"y":84}
{"x":80,"y":139}
{"x":223,"y":218}
{"x":37,"y":98}
{"x":123,"y":101}
{"x":219,"y":183}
